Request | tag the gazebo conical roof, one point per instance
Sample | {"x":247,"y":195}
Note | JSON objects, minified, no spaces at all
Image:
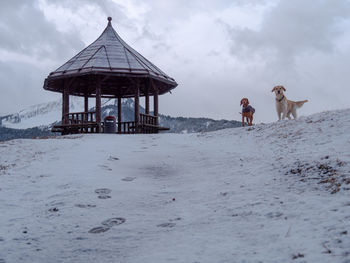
{"x":114,"y":63}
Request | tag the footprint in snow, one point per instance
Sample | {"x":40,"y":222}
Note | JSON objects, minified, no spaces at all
{"x":128,"y":179}
{"x":274,"y":214}
{"x":105,"y":167}
{"x":98,"y":230}
{"x":113,"y":221}
{"x":166,"y":225}
{"x":107,"y":224}
{"x":85,"y":205}
{"x":176,"y":219}
{"x":104,"y":196}
{"x":103,"y":193}
{"x":81,"y":238}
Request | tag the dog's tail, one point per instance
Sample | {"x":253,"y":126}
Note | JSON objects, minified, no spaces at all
{"x":300,"y":103}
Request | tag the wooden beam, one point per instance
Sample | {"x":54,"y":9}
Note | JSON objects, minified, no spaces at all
{"x":65,"y":99}
{"x":85,"y":117}
{"x":147,"y":97}
{"x":137,"y":106}
{"x":155,"y":100}
{"x":119,"y":114}
{"x":98,"y":106}
{"x":86,"y":103}
{"x":65,"y":105}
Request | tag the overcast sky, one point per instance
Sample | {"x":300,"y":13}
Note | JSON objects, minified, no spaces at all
{"x":218,"y":51}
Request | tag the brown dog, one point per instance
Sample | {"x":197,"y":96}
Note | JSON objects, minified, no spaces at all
{"x":247,"y":112}
{"x":286,"y":107}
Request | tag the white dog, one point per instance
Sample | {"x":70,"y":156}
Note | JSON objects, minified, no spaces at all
{"x":286,"y":107}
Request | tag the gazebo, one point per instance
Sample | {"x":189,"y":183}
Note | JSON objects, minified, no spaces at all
{"x":109,"y":68}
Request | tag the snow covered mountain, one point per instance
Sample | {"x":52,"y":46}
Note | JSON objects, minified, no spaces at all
{"x":43,"y":116}
{"x":276,"y":192}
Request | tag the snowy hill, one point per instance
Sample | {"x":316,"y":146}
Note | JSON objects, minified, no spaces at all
{"x":275,"y":192}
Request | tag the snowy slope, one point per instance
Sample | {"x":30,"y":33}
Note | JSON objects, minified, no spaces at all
{"x":274,"y":192}
{"x":41,"y":115}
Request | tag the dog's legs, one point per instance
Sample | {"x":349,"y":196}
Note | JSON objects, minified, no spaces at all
{"x":288,"y":115}
{"x":284,"y":115}
{"x":242,"y":120}
{"x":279,"y":115}
{"x":251,"y":120}
{"x":294,"y":113}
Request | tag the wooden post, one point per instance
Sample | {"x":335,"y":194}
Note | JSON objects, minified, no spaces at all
{"x":119,"y":114}
{"x":98,"y":106}
{"x":147,"y":98}
{"x":155,"y":103}
{"x":86,"y":103}
{"x":85,"y":117}
{"x":137,"y":106}
{"x":65,"y":105}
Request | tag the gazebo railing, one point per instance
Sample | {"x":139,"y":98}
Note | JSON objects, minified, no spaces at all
{"x":79,"y":117}
{"x":85,"y":122}
{"x":126,"y":127}
{"x":148,"y":123}
{"x":148,"y":119}
{"x":78,"y":122}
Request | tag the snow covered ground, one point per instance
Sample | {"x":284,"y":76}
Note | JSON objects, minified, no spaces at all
{"x":276,"y":192}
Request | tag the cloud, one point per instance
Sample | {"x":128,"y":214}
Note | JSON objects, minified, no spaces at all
{"x":293,"y":28}
{"x":218,"y":51}
{"x":25,"y":30}
{"x":303,"y":45}
{"x":21,"y":86}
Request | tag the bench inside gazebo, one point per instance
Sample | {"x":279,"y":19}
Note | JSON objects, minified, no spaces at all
{"x":109,"y":68}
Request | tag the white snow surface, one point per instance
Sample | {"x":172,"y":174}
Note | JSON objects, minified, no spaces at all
{"x":275,"y":192}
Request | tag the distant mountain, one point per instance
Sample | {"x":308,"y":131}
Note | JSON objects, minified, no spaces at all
{"x":37,"y":120}
{"x":191,"y":125}
{"x":39,"y":115}
{"x":30,"y":133}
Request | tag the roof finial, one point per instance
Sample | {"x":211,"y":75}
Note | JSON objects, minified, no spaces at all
{"x":109,"y":20}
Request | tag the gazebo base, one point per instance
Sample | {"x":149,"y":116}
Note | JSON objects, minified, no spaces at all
{"x":122,"y":128}
{"x":85,"y":122}
{"x":76,"y":128}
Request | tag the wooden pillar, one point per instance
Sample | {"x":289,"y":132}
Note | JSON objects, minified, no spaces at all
{"x":65,"y":105}
{"x":85,"y":117}
{"x":86,"y":103}
{"x":119,"y":114}
{"x":147,"y":98}
{"x":137,"y":106}
{"x":98,"y":106}
{"x":155,"y":103}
